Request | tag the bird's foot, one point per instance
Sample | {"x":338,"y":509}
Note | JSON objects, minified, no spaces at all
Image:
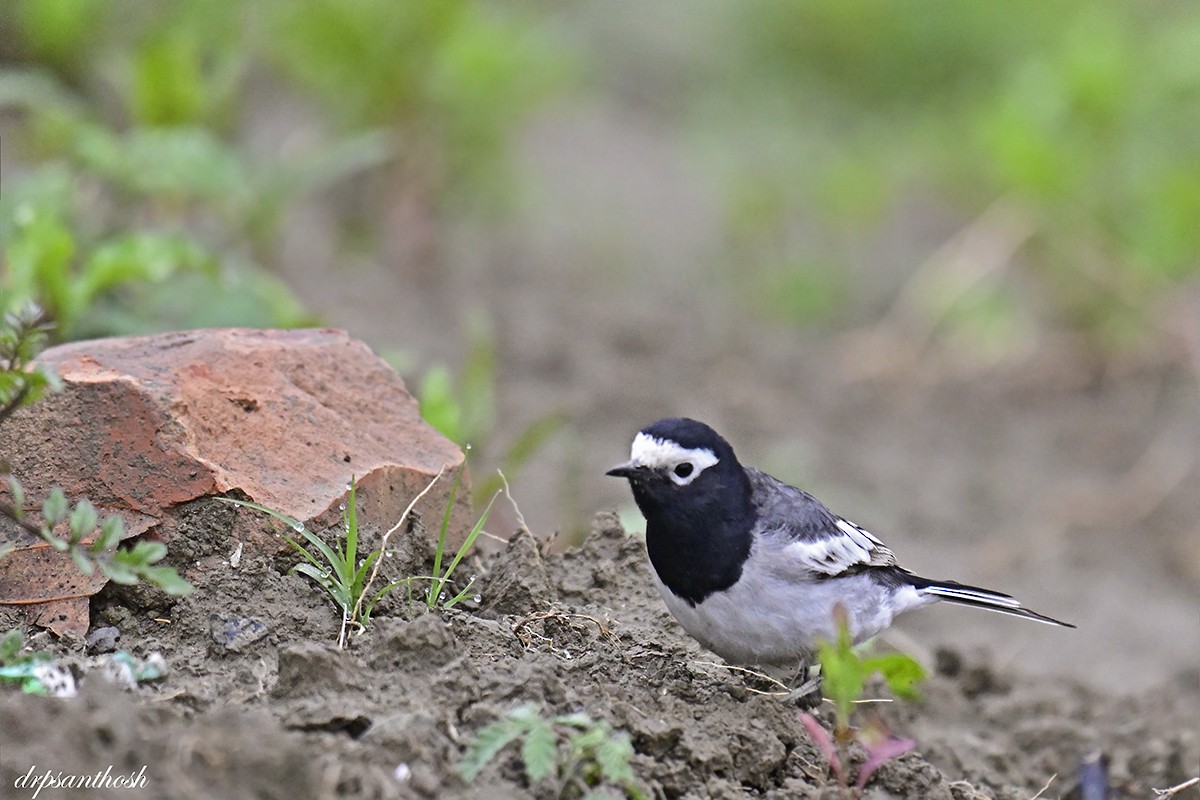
{"x":808,"y":694}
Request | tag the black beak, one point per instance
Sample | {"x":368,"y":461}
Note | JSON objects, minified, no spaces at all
{"x":629,"y":470}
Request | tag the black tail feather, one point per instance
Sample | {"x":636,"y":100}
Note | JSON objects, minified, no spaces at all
{"x":962,"y":594}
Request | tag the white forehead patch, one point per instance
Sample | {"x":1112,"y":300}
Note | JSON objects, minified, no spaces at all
{"x":649,"y":451}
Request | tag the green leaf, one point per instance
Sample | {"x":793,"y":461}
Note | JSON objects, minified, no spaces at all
{"x":167,"y":579}
{"x":39,"y":256}
{"x":613,"y":756}
{"x":138,"y":258}
{"x":589,"y":739}
{"x":477,"y":384}
{"x":48,"y":378}
{"x":84,"y":563}
{"x":10,"y":645}
{"x":458,"y":598}
{"x":145,"y":553}
{"x":292,"y":523}
{"x":117,"y":572}
{"x":83,"y":520}
{"x":168,"y":163}
{"x":17,"y":671}
{"x":330,"y":583}
{"x":17,"y":492}
{"x":575,"y":720}
{"x":491,"y":740}
{"x":901,"y":672}
{"x":322,"y":575}
{"x":842,"y":673}
{"x":111,"y":530}
{"x":539,"y":751}
{"x":526,"y":713}
{"x":54,"y":507}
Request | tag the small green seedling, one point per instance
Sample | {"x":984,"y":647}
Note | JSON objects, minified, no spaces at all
{"x":844,"y":674}
{"x":348,"y":580}
{"x":582,"y":756}
{"x":127,"y":566}
{"x":26,"y":669}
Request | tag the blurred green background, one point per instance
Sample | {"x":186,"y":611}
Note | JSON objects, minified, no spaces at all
{"x":976,"y":184}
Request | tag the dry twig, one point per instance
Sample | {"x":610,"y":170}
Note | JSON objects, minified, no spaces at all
{"x":383,"y":548}
{"x":1042,"y":790}
{"x":526,"y":636}
{"x":1174,"y":790}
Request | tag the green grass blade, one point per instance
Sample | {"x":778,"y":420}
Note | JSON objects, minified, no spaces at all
{"x":318,"y":573}
{"x":369,"y":604}
{"x":325,"y":550}
{"x":468,"y":542}
{"x":435,"y":588}
{"x":323,"y":579}
{"x":302,"y":550}
{"x":292,"y":523}
{"x":350,"y":518}
{"x":458,"y":598}
{"x":360,"y":576}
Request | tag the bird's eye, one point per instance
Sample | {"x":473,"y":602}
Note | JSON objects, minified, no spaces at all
{"x":684,"y":469}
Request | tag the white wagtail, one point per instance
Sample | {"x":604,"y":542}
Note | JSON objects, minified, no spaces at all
{"x":754,"y":568}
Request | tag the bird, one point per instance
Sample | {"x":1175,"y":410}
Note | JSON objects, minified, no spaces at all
{"x":759,"y":571}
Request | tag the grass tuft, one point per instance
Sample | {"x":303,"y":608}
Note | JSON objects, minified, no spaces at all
{"x":348,"y":580}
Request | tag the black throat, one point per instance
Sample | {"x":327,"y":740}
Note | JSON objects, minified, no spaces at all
{"x":698,"y":548}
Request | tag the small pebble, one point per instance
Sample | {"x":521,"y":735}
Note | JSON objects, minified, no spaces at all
{"x":236,"y":633}
{"x":103,"y":640}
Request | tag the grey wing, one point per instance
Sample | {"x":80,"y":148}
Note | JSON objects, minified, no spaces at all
{"x":807,"y":536}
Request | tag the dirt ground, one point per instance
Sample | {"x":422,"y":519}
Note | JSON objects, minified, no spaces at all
{"x":259,"y":702}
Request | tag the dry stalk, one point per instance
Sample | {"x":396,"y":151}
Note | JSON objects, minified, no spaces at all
{"x":1174,"y":790}
{"x":1042,"y":790}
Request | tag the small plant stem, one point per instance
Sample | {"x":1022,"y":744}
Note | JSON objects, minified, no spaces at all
{"x":1044,"y":788}
{"x":1174,"y":790}
{"x":366,"y":591}
{"x":11,"y":512}
{"x":783,"y":687}
{"x":508,"y":494}
{"x":16,"y":402}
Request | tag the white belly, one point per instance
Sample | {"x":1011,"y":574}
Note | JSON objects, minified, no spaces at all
{"x":767,"y":618}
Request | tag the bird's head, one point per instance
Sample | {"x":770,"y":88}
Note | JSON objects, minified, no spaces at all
{"x":681,"y":462}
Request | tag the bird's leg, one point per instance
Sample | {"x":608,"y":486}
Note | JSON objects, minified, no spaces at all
{"x":807,"y":683}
